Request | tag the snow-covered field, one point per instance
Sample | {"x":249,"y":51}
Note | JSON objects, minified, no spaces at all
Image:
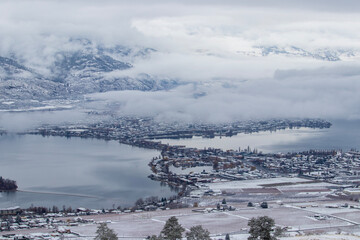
{"x":232,"y":222}
{"x":309,"y":237}
{"x":256,"y":183}
{"x":297,"y":219}
{"x":324,"y":237}
{"x":312,"y":213}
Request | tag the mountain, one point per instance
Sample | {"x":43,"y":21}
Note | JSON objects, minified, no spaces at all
{"x":88,"y":69}
{"x":324,"y":54}
{"x":20,"y":82}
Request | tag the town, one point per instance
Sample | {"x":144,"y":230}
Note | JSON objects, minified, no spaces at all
{"x":207,"y":180}
{"x":236,"y":164}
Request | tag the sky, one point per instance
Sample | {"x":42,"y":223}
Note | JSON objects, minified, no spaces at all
{"x":210,"y":44}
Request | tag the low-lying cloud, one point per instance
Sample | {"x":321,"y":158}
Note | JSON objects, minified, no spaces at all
{"x":211,"y":46}
{"x":290,"y":94}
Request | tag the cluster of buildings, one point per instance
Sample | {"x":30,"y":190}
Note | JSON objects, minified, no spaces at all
{"x":221,"y":165}
{"x":15,"y":218}
{"x":332,"y":166}
{"x":129,"y":129}
{"x":226,"y":165}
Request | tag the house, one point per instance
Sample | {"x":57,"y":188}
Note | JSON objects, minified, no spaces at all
{"x":10,"y":211}
{"x":352,"y":191}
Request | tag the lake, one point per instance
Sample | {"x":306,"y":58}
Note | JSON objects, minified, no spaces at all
{"x":77,"y":172}
{"x":98,"y":174}
{"x":341,"y":135}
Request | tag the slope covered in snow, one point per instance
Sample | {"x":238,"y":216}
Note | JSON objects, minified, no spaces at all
{"x":86,"y":69}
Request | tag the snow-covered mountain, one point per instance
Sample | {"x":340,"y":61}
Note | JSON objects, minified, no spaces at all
{"x":324,"y":54}
{"x":20,"y":82}
{"x":88,"y":69}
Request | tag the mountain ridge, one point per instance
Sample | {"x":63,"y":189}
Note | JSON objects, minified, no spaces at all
{"x":78,"y":72}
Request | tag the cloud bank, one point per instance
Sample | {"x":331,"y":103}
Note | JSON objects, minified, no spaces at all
{"x":211,"y":44}
{"x":325,"y":92}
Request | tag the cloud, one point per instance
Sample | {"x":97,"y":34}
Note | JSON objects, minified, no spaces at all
{"x":23,"y":121}
{"x":331,"y":94}
{"x":38,"y":28}
{"x":203,"y":42}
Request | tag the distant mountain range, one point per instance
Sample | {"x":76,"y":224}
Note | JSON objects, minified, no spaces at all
{"x":324,"y":54}
{"x":74,"y":73}
{"x":95,"y":68}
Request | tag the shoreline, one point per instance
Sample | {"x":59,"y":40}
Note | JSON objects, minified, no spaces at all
{"x":160,"y":166}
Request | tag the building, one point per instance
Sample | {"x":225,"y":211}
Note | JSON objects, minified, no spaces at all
{"x":10,"y":211}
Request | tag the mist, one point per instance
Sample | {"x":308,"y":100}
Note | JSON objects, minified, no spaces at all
{"x":317,"y":93}
{"x":203,"y":45}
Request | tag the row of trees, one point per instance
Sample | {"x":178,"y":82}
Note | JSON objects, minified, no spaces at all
{"x":261,"y":228}
{"x":7,"y":184}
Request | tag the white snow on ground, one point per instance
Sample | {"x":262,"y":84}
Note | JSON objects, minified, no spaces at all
{"x":320,"y":185}
{"x":253,"y":183}
{"x":311,"y":237}
{"x":323,"y":237}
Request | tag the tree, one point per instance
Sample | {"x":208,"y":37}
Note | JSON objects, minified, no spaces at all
{"x":264,"y":205}
{"x":172,"y":229}
{"x":279,"y":231}
{"x":154,"y":237}
{"x":216,"y":165}
{"x":261,"y":228}
{"x":55,"y":209}
{"x":103,"y":232}
{"x":198,"y":233}
{"x":227,"y":237}
{"x":7,"y":184}
{"x":18,"y":219}
{"x":223,"y":201}
{"x":139,"y":202}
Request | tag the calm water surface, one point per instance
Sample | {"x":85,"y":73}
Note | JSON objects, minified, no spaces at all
{"x":93,"y":173}
{"x":342,"y":135}
{"x":98,"y":174}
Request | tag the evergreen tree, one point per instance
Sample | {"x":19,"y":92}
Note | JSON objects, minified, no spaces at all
{"x":154,"y":237}
{"x":103,"y":232}
{"x":18,"y":219}
{"x":227,"y":237}
{"x":261,"y":228}
{"x":198,"y":233}
{"x":172,"y":229}
{"x":264,"y":205}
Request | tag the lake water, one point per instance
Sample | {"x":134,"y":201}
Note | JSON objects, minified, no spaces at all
{"x":98,"y":174}
{"x":341,"y":135}
{"x":86,"y":172}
